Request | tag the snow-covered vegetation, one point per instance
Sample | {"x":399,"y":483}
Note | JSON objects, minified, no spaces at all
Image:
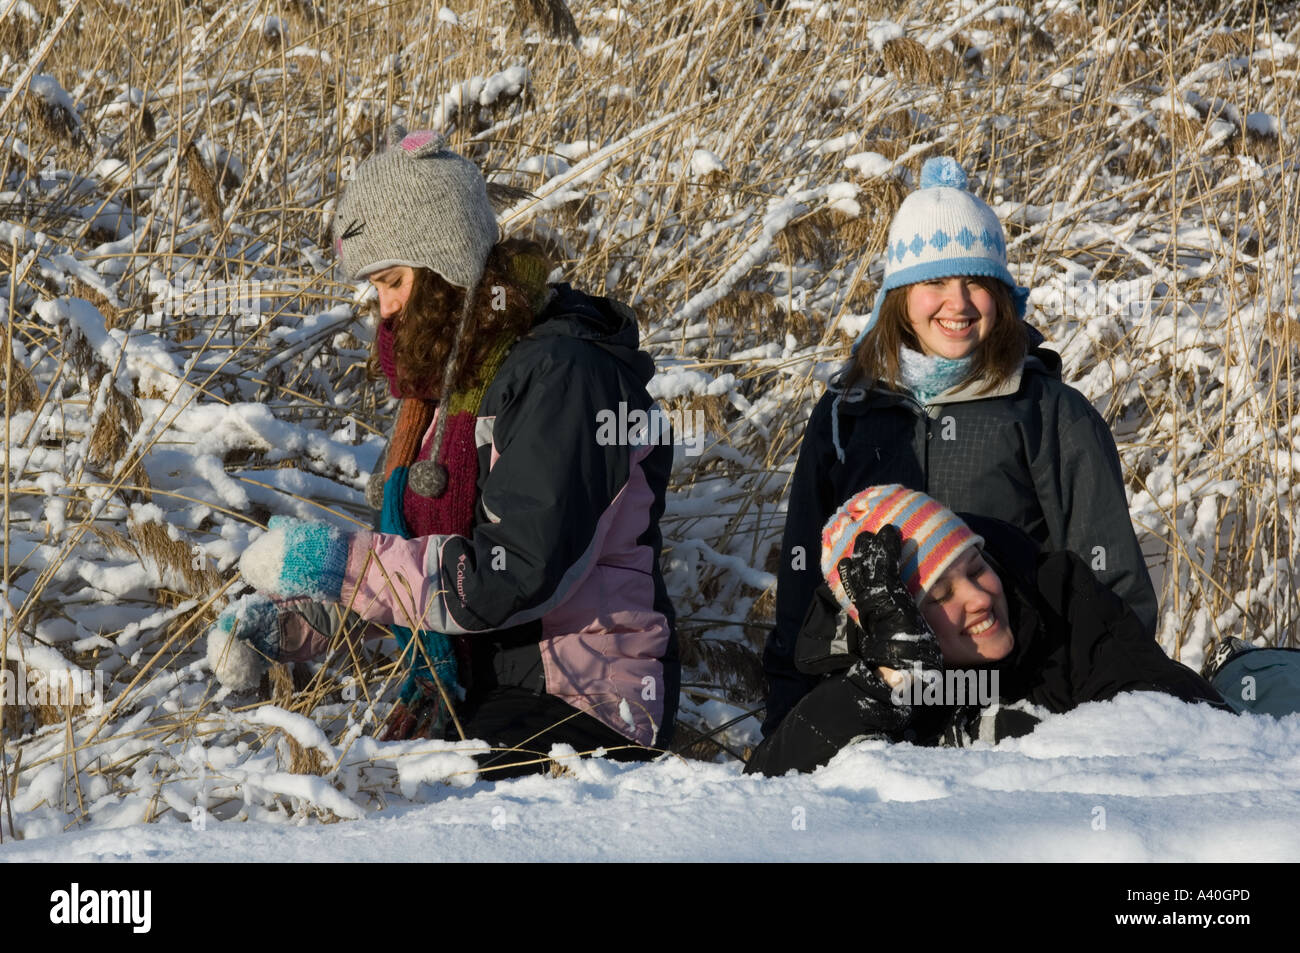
{"x":181,"y":361}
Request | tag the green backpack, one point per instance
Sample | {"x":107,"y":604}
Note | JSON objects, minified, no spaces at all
{"x":1263,"y":681}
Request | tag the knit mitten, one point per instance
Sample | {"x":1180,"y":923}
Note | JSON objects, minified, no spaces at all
{"x":893,"y":631}
{"x":245,"y":637}
{"x":297,"y":558}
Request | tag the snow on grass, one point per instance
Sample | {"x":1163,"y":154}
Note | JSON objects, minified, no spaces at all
{"x":1262,"y":124}
{"x":704,"y":162}
{"x":303,"y":730}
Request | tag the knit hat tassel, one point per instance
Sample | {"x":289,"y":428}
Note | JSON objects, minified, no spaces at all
{"x":429,"y":478}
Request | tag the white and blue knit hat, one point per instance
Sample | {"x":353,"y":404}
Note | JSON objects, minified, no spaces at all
{"x":942,"y":230}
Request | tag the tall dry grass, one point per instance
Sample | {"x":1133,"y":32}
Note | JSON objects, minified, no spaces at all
{"x":208,"y":141}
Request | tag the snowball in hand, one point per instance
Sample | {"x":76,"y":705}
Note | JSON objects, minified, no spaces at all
{"x":242,"y":640}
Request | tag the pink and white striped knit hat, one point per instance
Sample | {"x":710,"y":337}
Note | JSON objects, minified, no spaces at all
{"x":934,"y":537}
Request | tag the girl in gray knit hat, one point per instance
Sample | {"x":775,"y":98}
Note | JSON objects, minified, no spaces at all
{"x":516,"y":553}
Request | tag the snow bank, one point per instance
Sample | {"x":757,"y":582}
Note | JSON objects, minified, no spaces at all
{"x":1142,"y":778}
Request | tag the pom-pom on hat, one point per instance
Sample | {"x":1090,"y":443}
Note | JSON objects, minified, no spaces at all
{"x":418,"y":204}
{"x":934,"y":537}
{"x":942,"y":230}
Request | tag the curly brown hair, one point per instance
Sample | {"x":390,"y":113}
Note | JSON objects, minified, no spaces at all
{"x":506,"y":301}
{"x":995,"y":359}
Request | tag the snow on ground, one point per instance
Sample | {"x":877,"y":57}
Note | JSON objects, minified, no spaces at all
{"x":1142,"y":778}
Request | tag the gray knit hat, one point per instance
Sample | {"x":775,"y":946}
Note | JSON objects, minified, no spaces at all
{"x":418,"y":204}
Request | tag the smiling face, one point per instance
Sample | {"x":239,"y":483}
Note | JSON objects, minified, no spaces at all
{"x":951,"y":316}
{"x":394,"y":287}
{"x":967,"y":610}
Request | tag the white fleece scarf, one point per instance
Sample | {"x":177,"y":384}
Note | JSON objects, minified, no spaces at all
{"x":927,"y":376}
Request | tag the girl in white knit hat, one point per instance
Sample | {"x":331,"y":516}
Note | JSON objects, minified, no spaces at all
{"x":948,"y":392}
{"x":516,"y":553}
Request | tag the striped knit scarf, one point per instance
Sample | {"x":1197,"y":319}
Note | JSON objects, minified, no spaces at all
{"x":408,"y":513}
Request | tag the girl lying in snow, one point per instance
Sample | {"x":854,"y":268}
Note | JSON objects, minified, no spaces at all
{"x":947,"y":392}
{"x":521,"y":551}
{"x":910,"y":590}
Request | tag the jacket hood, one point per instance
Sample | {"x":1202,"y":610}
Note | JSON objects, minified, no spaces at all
{"x":608,"y":323}
{"x":1041,"y":358}
{"x":1013,"y":554}
{"x":1009,"y":548}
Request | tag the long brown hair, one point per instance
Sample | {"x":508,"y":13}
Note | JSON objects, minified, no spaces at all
{"x":996,"y":358}
{"x":506,"y":301}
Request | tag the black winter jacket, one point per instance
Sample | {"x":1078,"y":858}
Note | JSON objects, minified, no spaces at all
{"x":580,"y":359}
{"x":1035,"y":454}
{"x":1076,"y":641}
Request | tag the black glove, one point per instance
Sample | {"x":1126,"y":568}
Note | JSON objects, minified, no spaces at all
{"x":879,"y":711}
{"x":970,"y":724}
{"x":894,"y":633}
